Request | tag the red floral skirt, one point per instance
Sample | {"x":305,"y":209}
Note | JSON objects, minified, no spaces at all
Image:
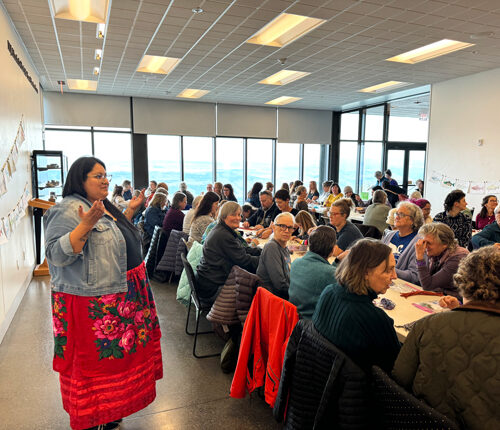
{"x":107,"y":352}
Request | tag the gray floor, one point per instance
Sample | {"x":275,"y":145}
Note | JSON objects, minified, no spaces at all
{"x":193,"y":393}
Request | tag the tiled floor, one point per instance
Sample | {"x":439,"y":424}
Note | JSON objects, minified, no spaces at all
{"x":193,"y":393}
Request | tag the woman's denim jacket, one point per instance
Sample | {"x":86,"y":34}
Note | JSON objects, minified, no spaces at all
{"x":100,"y":268}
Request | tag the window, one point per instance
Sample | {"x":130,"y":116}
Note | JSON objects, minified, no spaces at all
{"x":416,"y":166}
{"x":348,"y":162}
{"x":164,"y":160}
{"x":229,"y":159}
{"x":372,"y":161}
{"x":115,"y":150}
{"x":315,"y":163}
{"x":260,"y":162}
{"x":349,"y":124}
{"x":287,"y":163}
{"x":396,"y":162}
{"x":408,"y":120}
{"x":197,"y":163}
{"x":374,"y":127}
{"x":73,"y":144}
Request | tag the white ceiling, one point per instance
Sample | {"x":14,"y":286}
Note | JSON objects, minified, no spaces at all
{"x":345,"y":54}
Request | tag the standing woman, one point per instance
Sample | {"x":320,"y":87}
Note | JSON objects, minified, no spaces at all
{"x":106,"y":331}
{"x":487,"y":214}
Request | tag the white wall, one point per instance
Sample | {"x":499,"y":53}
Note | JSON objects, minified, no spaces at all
{"x":463,"y":111}
{"x":17,"y":98}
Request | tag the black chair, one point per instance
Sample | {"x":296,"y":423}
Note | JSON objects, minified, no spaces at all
{"x":369,"y":231}
{"x":401,"y":410}
{"x":152,"y":255}
{"x":200,"y":309}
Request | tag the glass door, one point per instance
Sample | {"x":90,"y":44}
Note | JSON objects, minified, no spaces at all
{"x":407,"y":163}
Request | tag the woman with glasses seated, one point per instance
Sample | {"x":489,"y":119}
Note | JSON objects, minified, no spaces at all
{"x":106,"y":332}
{"x":274,"y":263}
{"x":402,"y":241}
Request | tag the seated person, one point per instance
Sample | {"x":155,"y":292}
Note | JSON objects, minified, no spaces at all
{"x":393,"y":192}
{"x":487,"y":214}
{"x":345,"y":313}
{"x":301,"y":196}
{"x":310,"y":274}
{"x":247,"y":211}
{"x":175,"y":218}
{"x":326,"y":192}
{"x":189,"y":196}
{"x":349,"y":193}
{"x":450,"y":359}
{"x":282,"y":200}
{"x":253,"y":194}
{"x":222,"y":250}
{"x":460,"y":223}
{"x":274,"y":263}
{"x":204,"y":214}
{"x":188,"y":219}
{"x":301,"y":206}
{"x":305,"y":222}
{"x":313,"y":193}
{"x":402,"y":240}
{"x":425,"y":205}
{"x":263,"y":217}
{"x":228,"y":193}
{"x":490,"y":235}
{"x":443,"y":254}
{"x":153,"y":216}
{"x":335,"y":194}
{"x":376,"y":213}
{"x":347,"y":232}
{"x":117,"y":198}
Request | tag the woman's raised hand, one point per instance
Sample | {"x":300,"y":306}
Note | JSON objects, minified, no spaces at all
{"x":93,"y":215}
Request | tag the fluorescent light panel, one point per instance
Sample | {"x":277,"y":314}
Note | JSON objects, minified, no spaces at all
{"x":427,"y":52}
{"x":283,"y":77}
{"x":284,"y":29}
{"x":82,"y":85}
{"x":283,"y":100}
{"x":81,"y":10}
{"x":157,"y":64}
{"x":96,"y":71}
{"x":191,"y":93}
{"x":98,"y":54}
{"x":385,"y":86}
{"x":100,"y":31}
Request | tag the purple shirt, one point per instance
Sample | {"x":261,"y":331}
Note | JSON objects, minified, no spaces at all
{"x":483,"y":222}
{"x":173,"y":220}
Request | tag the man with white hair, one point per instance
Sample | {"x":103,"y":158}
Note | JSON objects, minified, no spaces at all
{"x":275,"y":261}
{"x":490,"y":235}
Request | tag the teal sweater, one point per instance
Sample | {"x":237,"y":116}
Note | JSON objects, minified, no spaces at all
{"x":309,"y":276}
{"x":356,"y":326}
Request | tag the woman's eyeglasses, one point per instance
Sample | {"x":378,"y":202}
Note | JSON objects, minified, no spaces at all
{"x":285,"y":227}
{"x":100,"y":177}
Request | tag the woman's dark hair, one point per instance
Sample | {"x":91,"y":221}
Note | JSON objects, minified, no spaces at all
{"x":269,"y":186}
{"x":247,"y":208}
{"x":388,"y":172}
{"x":322,"y":240}
{"x":451,"y":198}
{"x":296,"y":184}
{"x":336,"y":185}
{"x":484,"y":210}
{"x":256,"y":188}
{"x":205,"y":206}
{"x":231,"y":192}
{"x":178,"y":199}
{"x":118,"y":191}
{"x":75,"y":179}
{"x":282,"y":195}
{"x":301,"y":206}
{"x":285,"y":186}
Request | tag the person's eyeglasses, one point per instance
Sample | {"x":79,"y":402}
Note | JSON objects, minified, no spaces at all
{"x":335,"y":213}
{"x":285,"y":227}
{"x":100,"y":177}
{"x":401,"y":215}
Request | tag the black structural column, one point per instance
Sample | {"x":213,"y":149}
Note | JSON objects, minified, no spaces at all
{"x":140,"y":160}
{"x":335,"y":148}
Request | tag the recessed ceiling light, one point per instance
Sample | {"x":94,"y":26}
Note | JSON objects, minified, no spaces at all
{"x":100,"y":31}
{"x":197,"y":10}
{"x":82,"y":85}
{"x":96,"y":71}
{"x":157,"y":64}
{"x":427,"y":52}
{"x":385,"y":86}
{"x":284,"y":77}
{"x":81,"y":10}
{"x":284,"y":29}
{"x":98,"y":54}
{"x":191,"y":93}
{"x":283,"y":100}
{"x":482,"y":35}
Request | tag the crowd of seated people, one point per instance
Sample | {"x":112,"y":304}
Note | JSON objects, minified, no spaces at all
{"x":335,"y":282}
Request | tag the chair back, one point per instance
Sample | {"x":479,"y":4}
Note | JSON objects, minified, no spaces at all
{"x":399,"y":409}
{"x":191,"y":279}
{"x":181,"y":248}
{"x":369,"y":231}
{"x":152,"y":255}
{"x":167,"y":262}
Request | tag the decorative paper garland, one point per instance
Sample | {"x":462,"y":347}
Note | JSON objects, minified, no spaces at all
{"x":467,"y":186}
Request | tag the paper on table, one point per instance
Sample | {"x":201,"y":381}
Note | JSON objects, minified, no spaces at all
{"x":432,"y":307}
{"x":403,"y":287}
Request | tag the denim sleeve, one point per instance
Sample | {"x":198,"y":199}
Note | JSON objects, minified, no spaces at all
{"x":59,"y":222}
